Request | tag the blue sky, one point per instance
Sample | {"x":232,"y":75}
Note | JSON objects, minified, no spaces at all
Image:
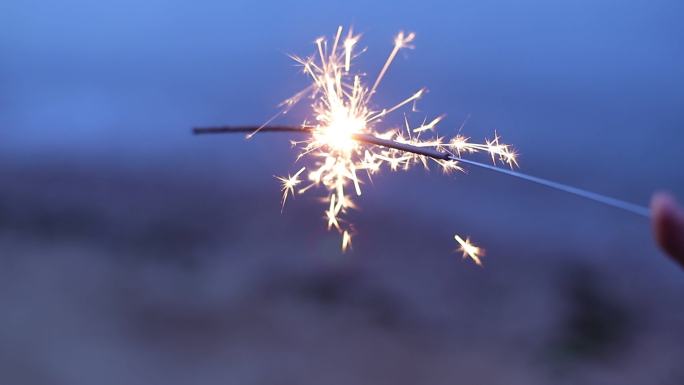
{"x":588,"y":91}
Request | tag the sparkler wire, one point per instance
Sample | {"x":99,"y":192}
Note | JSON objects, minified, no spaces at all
{"x":440,"y":155}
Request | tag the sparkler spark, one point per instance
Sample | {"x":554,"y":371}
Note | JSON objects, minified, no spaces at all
{"x":346,"y":145}
{"x":469,"y":250}
{"x":342,"y":110}
{"x":288,"y":185}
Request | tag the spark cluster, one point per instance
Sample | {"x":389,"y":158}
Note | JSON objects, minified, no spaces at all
{"x":341,"y":105}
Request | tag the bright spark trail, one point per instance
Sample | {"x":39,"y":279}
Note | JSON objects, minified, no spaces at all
{"x":343,"y":141}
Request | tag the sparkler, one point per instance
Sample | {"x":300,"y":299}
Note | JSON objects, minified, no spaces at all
{"x":345,"y":143}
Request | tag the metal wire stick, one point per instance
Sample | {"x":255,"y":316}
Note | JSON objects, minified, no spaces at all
{"x":444,"y":155}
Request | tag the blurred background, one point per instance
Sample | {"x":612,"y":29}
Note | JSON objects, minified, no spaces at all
{"x":133,"y":252}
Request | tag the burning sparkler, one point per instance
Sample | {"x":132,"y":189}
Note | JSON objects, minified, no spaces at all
{"x":342,"y":111}
{"x":345,"y":142}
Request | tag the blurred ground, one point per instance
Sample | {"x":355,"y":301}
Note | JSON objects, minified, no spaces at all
{"x":185,"y":278}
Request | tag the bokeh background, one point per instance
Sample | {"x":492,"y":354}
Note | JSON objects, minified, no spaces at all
{"x":132,"y":252}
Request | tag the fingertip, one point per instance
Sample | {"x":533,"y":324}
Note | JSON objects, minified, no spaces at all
{"x":662,"y":203}
{"x":668,"y":225}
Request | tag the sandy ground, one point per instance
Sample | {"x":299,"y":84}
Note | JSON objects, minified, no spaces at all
{"x":115,"y":277}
